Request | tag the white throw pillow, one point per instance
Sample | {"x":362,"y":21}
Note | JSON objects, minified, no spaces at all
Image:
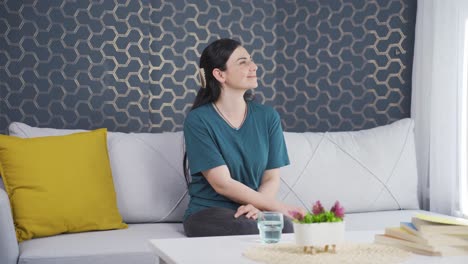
{"x":367,"y":170}
{"x":146,"y":168}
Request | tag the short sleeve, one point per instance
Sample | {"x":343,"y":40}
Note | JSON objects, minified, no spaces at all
{"x":202,"y":150}
{"x":277,"y":153}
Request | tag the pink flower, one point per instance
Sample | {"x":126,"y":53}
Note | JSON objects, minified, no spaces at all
{"x":296,"y":215}
{"x":338,"y":210}
{"x":317,"y":208}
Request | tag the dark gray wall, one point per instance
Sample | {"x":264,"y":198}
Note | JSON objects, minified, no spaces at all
{"x":324,"y":65}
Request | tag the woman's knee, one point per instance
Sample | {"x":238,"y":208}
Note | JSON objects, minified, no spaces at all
{"x":245,"y":226}
{"x":218,"y":222}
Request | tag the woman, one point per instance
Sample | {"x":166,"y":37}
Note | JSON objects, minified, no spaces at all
{"x":234,"y":146}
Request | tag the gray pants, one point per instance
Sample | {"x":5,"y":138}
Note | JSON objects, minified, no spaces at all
{"x":218,"y":221}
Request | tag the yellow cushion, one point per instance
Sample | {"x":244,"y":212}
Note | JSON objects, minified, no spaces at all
{"x":59,"y":184}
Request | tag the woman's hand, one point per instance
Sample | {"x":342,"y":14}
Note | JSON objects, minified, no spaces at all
{"x":249,"y":210}
{"x":288,"y":209}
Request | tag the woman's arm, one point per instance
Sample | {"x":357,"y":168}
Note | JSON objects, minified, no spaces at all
{"x":220,"y":179}
{"x":270,"y":183}
{"x":269,"y":186}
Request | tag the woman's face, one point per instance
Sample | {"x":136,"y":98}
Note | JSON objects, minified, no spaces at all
{"x":241,"y":71}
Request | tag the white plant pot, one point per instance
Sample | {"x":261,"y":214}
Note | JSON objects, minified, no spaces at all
{"x":319,"y":234}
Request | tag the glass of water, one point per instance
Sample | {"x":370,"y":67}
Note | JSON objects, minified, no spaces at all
{"x":270,"y":225}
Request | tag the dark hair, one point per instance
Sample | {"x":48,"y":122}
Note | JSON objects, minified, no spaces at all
{"x":214,"y":56}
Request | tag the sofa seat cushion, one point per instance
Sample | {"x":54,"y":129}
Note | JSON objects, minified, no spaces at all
{"x":378,"y":220}
{"x":104,"y":247}
{"x":131,"y":245}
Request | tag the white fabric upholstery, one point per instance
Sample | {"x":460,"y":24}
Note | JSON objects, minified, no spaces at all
{"x":378,"y":220}
{"x":146,"y":168}
{"x":8,"y":244}
{"x":102,"y":247}
{"x":131,"y":245}
{"x":367,"y":170}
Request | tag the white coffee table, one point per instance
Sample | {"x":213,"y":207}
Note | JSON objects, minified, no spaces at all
{"x":229,"y":249}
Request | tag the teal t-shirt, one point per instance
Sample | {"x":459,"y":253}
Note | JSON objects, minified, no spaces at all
{"x":258,"y":145}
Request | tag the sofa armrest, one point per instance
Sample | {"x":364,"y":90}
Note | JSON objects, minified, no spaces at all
{"x":9,"y":250}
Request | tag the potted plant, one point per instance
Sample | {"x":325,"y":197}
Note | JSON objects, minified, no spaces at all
{"x":320,"y":229}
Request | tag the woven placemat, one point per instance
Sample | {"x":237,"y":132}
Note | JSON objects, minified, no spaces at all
{"x":345,"y":253}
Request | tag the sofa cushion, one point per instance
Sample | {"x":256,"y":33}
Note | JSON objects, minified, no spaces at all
{"x":131,"y":245}
{"x":365,"y":170}
{"x":146,"y":168}
{"x":115,"y":246}
{"x":379,"y":220}
{"x":9,"y":250}
{"x":59,"y":184}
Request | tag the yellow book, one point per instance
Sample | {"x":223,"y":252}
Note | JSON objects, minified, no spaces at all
{"x":439,"y":219}
{"x":433,"y":227}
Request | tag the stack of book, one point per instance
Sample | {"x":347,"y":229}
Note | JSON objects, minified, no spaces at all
{"x":427,"y":234}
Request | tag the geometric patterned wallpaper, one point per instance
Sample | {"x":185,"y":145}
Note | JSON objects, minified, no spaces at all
{"x":325,"y":65}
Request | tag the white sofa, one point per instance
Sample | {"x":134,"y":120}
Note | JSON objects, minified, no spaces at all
{"x":371,"y":172}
